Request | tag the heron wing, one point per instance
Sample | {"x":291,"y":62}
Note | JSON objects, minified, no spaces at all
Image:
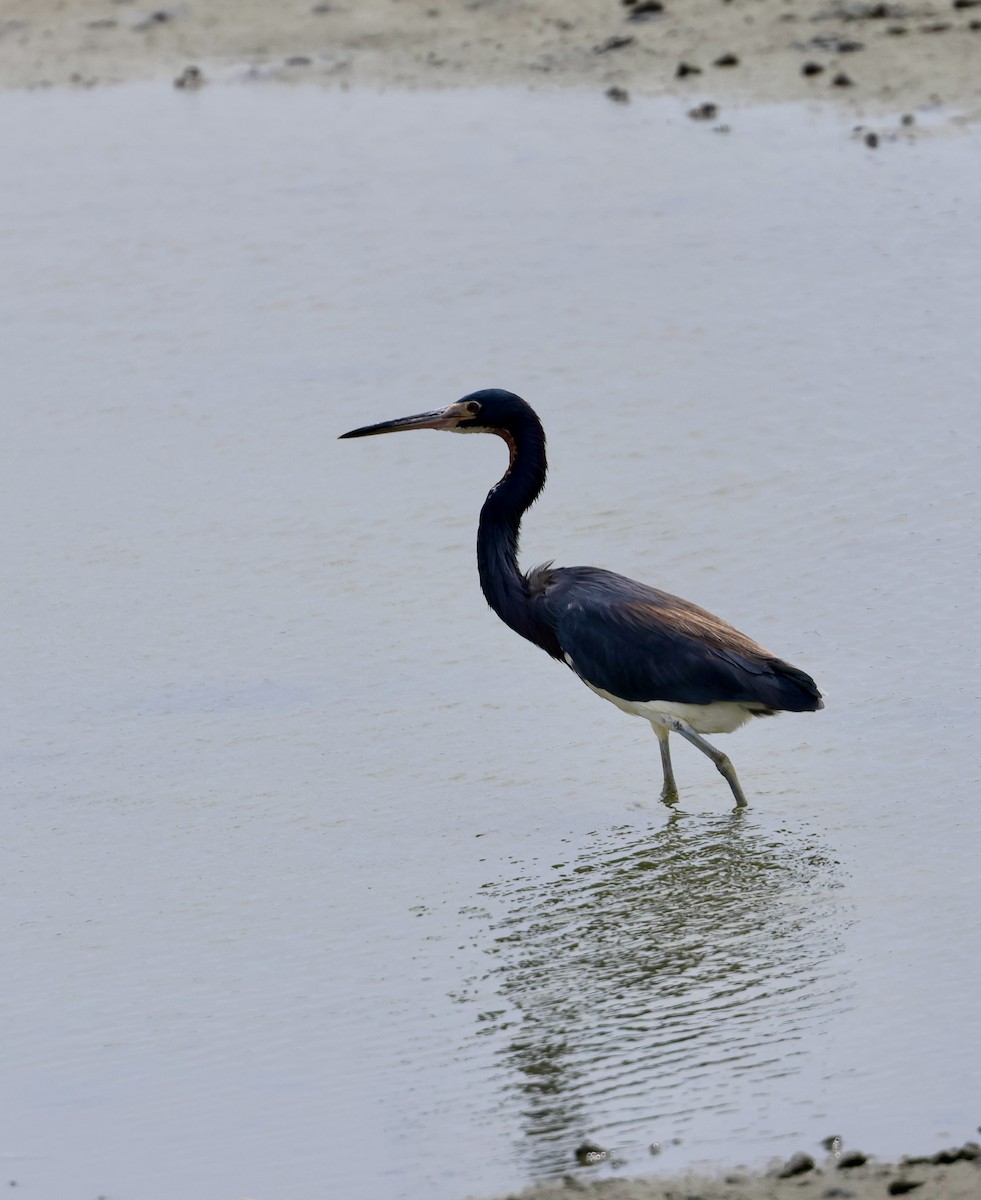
{"x":639,"y":643}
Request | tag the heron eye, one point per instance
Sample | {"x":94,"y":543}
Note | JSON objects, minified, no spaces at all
{"x":473,"y":407}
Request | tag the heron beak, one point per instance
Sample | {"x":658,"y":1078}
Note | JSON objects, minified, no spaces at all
{"x":443,"y":418}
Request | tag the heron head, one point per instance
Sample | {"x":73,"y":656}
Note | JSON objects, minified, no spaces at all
{"x":491,"y":410}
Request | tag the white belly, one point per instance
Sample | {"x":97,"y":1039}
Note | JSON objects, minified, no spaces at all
{"x":722,"y":716}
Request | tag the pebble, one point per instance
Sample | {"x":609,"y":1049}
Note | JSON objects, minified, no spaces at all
{"x":588,"y":1154}
{"x":160,"y":17}
{"x":645,"y":10}
{"x":797,"y":1164}
{"x":617,"y":42}
{"x":189,"y":79}
{"x":969,"y":1152}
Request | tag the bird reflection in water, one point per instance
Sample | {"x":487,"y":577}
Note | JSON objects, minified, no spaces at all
{"x":656,"y":980}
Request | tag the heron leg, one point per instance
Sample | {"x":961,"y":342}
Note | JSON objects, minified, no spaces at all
{"x":669,"y":793}
{"x":720,"y":759}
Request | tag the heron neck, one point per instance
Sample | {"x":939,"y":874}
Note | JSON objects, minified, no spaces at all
{"x":501,"y":580}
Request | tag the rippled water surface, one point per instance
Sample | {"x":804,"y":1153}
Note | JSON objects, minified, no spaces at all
{"x":315,"y":878}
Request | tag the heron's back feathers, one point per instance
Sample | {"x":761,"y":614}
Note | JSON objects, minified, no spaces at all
{"x":640,"y":644}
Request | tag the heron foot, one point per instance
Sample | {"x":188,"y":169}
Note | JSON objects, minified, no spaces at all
{"x":669,"y":796}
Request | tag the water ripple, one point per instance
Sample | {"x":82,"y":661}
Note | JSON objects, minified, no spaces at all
{"x":655,"y":981}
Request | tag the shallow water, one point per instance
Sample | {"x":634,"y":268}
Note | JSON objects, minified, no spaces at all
{"x":315,"y":879}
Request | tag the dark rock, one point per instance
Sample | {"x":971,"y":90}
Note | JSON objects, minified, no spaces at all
{"x":726,"y":60}
{"x":189,"y":79}
{"x":588,"y":1154}
{"x":704,"y":112}
{"x":813,"y":68}
{"x":842,"y":80}
{"x":967,"y":1153}
{"x":899,"y":1187}
{"x":644,"y":10}
{"x":855,"y":1158}
{"x":618,"y":95}
{"x":871,"y":140}
{"x":684,"y":69}
{"x":797,"y":1164}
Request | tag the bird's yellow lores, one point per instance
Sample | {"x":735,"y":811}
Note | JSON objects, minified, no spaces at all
{"x":651,"y":654}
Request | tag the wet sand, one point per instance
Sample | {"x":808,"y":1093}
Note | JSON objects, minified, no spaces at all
{"x":874,"y":56}
{"x":932,"y":1177}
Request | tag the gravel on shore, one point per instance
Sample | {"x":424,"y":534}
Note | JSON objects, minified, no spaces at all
{"x":950,"y":1174}
{"x":870,"y":56}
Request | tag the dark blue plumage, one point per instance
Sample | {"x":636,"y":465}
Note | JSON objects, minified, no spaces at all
{"x":643,"y":644}
{"x":650,"y":653}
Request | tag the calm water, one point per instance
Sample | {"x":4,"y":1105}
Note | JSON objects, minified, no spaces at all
{"x":314,"y":879}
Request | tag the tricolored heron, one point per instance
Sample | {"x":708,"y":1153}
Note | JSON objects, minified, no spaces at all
{"x":650,"y":653}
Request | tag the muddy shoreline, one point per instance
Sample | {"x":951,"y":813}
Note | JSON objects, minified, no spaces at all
{"x":950,"y":1174}
{"x":867,"y":56}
